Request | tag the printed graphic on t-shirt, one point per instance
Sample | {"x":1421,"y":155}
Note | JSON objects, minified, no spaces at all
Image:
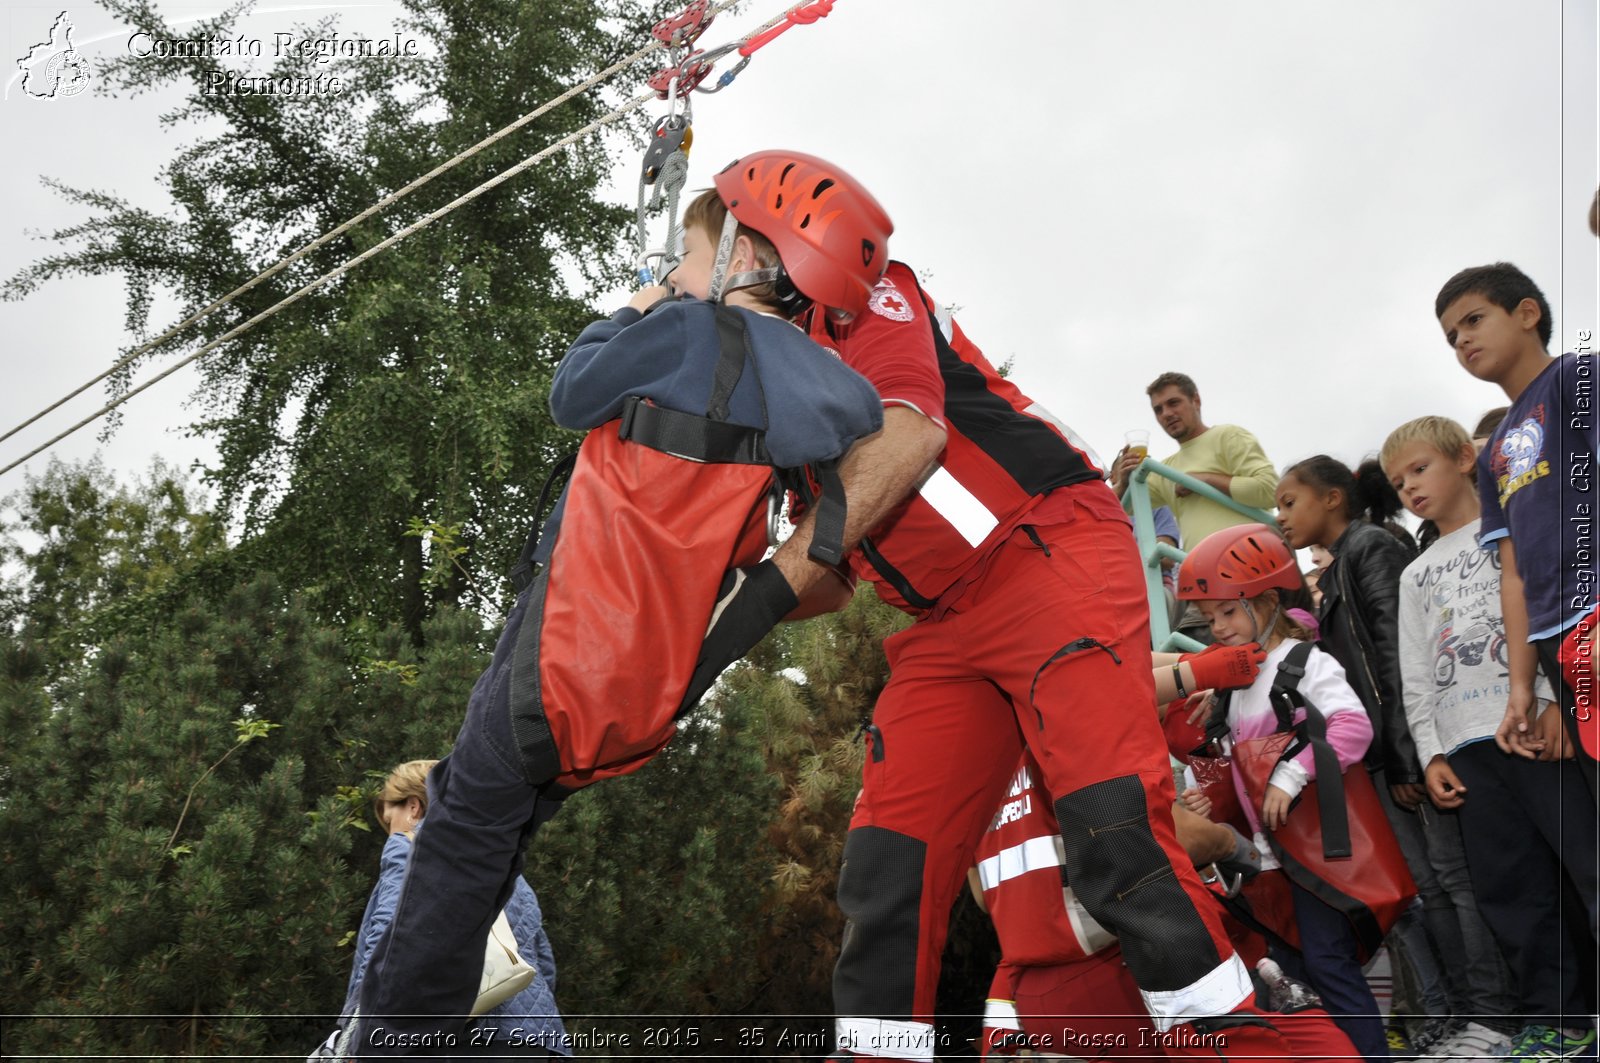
{"x":1520,"y":458}
{"x":1467,"y":640}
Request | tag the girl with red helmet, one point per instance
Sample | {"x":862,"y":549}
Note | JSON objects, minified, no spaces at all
{"x":1247,"y":585}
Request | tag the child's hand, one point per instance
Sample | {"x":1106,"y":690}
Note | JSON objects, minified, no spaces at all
{"x":1408,"y":795}
{"x":1275,"y":808}
{"x":1444,"y":786}
{"x":1551,"y":733}
{"x":649,"y":296}
{"x":1199,"y":706}
{"x":1515,"y":730}
{"x":1196,"y":801}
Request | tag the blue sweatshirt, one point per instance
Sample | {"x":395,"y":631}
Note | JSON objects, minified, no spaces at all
{"x":811,"y":405}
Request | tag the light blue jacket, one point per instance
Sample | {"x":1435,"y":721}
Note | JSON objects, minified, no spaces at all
{"x":528,"y":1020}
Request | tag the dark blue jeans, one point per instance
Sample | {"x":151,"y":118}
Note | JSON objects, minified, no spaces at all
{"x":1526,"y":824}
{"x":1329,"y":965}
{"x":482,"y":810}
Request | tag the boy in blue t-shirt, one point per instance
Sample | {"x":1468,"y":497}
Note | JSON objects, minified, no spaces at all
{"x":1535,"y":481}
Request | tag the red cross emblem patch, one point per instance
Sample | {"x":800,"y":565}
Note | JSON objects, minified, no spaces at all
{"x":886,"y":301}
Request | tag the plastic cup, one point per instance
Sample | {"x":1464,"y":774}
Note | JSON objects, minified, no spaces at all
{"x":1138,"y":442}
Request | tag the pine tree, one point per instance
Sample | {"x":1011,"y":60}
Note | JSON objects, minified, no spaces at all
{"x":75,"y":541}
{"x":178,"y":824}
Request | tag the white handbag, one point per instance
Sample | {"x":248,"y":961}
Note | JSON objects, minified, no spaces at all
{"x":505,"y":972}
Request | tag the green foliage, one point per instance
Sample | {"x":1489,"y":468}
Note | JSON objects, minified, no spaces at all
{"x":652,"y":884}
{"x":412,"y":391}
{"x":73,"y":542}
{"x":189,"y":811}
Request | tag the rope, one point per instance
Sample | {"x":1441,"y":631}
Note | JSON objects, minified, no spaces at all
{"x":338,"y":271}
{"x":386,"y":201}
{"x":669,"y":184}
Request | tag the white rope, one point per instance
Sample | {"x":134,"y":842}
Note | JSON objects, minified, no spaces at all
{"x":340,"y":270}
{"x":386,"y":201}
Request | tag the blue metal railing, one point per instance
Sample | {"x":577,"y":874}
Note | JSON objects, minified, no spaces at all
{"x":1136,"y":500}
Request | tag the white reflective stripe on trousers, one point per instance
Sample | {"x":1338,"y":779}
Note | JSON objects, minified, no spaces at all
{"x":1216,"y":993}
{"x":886,"y":1038}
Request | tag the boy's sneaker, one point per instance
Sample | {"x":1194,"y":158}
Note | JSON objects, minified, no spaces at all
{"x":1546,"y":1042}
{"x":1399,"y":1043}
{"x":1436,"y":1030}
{"x":1472,"y":1043}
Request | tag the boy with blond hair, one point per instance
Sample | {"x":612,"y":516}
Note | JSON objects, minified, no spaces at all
{"x":1517,"y":829}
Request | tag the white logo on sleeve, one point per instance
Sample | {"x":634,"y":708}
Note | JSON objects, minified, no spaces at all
{"x":886,"y":301}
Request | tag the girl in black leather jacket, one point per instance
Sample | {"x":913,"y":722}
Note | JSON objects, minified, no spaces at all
{"x":1322,"y":503}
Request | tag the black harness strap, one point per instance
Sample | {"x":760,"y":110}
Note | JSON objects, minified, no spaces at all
{"x":894,"y":577}
{"x":713,"y":439}
{"x":1286,"y":697}
{"x":690,"y":436}
{"x":522,"y":571}
{"x":541,"y":761}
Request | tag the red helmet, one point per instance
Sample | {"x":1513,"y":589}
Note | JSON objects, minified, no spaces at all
{"x":832,"y":235}
{"x":1238,"y":562}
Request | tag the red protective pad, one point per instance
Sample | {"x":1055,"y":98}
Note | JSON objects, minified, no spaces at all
{"x":644,"y":543}
{"x":1183,"y":737}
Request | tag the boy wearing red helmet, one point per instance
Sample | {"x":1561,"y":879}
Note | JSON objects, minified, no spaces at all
{"x":641,"y":548}
{"x":990,"y":523}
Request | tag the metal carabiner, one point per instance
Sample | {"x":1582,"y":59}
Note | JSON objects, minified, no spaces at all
{"x":654,"y":266}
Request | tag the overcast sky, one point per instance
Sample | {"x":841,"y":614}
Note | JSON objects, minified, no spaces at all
{"x":1264,"y":195}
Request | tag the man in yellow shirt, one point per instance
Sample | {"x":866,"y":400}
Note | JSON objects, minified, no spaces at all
{"x":1226,"y":457}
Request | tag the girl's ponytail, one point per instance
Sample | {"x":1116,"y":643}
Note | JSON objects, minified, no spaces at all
{"x":1374,"y":498}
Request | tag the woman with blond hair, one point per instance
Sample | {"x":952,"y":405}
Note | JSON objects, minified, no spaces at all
{"x":528,"y":1023}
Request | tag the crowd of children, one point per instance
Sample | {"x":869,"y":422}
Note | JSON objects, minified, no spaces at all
{"x":1469,"y":667}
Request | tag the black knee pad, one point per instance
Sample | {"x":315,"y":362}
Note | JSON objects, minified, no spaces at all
{"x":880,"y":894}
{"x":1123,"y":877}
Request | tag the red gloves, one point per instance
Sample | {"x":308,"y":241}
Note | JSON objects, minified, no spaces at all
{"x":1226,"y":667}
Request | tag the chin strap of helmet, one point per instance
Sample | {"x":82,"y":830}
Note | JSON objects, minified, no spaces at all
{"x":1272,"y":623}
{"x":789,"y":299}
{"x":719,"y":266}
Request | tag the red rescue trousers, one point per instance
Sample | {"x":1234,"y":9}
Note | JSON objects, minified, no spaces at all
{"x":1048,"y":644}
{"x":1093,"y":1008}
